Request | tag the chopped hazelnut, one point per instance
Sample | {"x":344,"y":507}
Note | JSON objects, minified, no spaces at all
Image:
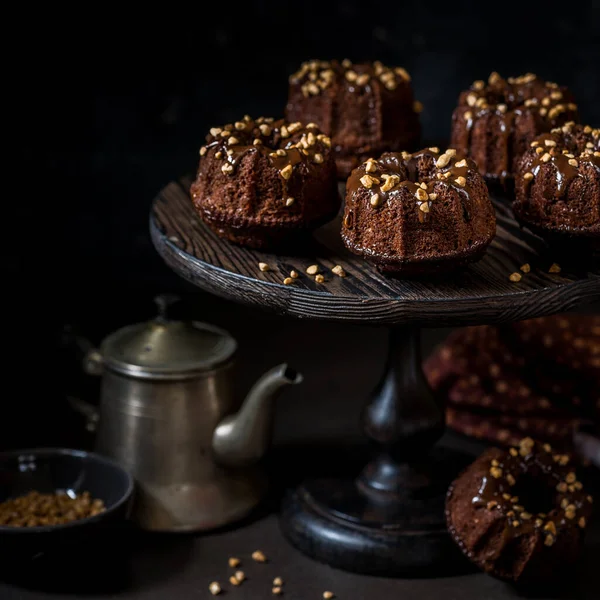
{"x":539,"y":150}
{"x":278,"y":581}
{"x":286,"y":281}
{"x":218,"y":154}
{"x":227,"y":168}
{"x":319,"y":278}
{"x":259,"y":556}
{"x":289,"y":201}
{"x":318,"y":158}
{"x":573,"y":162}
{"x":550,"y":143}
{"x":433,"y":196}
{"x":294,"y":274}
{"x":511,"y":480}
{"x":546,"y":157}
{"x":581,"y":522}
{"x":234,"y":581}
{"x":528,"y":176}
{"x":339,"y":271}
{"x":214,"y":588}
{"x":525,"y":268}
{"x":442,"y":161}
{"x":515,"y":276}
{"x":496,"y":472}
{"x":234,"y":562}
{"x":375,"y":200}
{"x":421,"y":194}
{"x":265,"y":130}
{"x":239,"y":576}
{"x":203,"y":151}
{"x":368,"y":181}
{"x":313,"y":269}
{"x":554,"y":268}
{"x":277,"y":591}
{"x":286,"y":172}
{"x":424,"y":207}
{"x":461,"y":181}
{"x":327,"y":595}
{"x":461,"y":163}
{"x":491,"y":504}
{"x":549,"y":540}
{"x":232,"y":141}
{"x":370,"y":166}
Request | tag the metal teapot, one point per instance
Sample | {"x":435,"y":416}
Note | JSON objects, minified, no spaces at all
{"x":168,"y":413}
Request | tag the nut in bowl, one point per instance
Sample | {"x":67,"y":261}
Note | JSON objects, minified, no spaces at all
{"x":52,"y":497}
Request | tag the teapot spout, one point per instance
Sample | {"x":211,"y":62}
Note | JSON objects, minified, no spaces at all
{"x":242,"y":439}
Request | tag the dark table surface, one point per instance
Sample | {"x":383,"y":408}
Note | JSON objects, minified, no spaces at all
{"x":315,"y":424}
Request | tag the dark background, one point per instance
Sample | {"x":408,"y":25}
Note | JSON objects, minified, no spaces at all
{"x":108,"y":108}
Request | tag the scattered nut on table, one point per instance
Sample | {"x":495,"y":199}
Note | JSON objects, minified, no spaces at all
{"x":259,"y":556}
{"x":214,"y":588}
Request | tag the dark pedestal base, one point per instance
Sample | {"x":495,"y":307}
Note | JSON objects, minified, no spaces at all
{"x":355,"y":527}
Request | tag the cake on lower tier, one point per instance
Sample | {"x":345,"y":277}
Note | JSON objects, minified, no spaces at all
{"x":365,"y":108}
{"x":520,"y":514}
{"x":494,"y":124}
{"x":412,"y":214}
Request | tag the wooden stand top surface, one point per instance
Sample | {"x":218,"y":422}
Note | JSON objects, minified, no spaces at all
{"x":482,"y":293}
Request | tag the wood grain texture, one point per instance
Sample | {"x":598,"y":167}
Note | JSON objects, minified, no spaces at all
{"x":482,"y":293}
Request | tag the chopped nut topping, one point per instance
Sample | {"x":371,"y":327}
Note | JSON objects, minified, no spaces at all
{"x":451,"y":152}
{"x":424,"y":207}
{"x":491,"y":504}
{"x":286,"y":172}
{"x":318,"y":158}
{"x":549,"y":540}
{"x":513,"y":452}
{"x":534,"y":144}
{"x":362,"y":79}
{"x":434,"y":149}
{"x":351,"y":76}
{"x":227,"y":168}
{"x":368,"y":181}
{"x":461,"y":181}
{"x":234,"y":562}
{"x":214,"y":588}
{"x":319,"y":278}
{"x":443,"y":160}
{"x":239,"y":125}
{"x":516,"y":523}
{"x":570,"y":514}
{"x":391,"y":85}
{"x":554,"y":268}
{"x":289,"y":201}
{"x":232,"y":141}
{"x":259,"y":556}
{"x":203,"y":151}
{"x":229,"y":152}
{"x":581,"y":522}
{"x":294,"y":274}
{"x":215,"y":131}
{"x":286,"y":281}
{"x":478,"y":85}
{"x":339,"y":271}
{"x":280,"y":152}
{"x":525,"y":268}
{"x":313,"y":269}
{"x":375,"y":200}
{"x":218,"y":154}
{"x":550,"y":143}
{"x":265,"y":129}
{"x":510,"y":479}
{"x":402,"y":73}
{"x":506,"y":496}
{"x":539,"y":150}
{"x":257,"y":142}
{"x":471,"y":99}
{"x":543,"y":111}
{"x":573,"y":162}
{"x":494,"y":78}
{"x":571,"y":477}
{"x":515,"y":276}
{"x":501,"y":108}
{"x":551,"y":527}
{"x":528,"y":176}
{"x":346,"y":63}
{"x":546,"y":157}
{"x":496,"y":472}
{"x":525,"y":515}
{"x":371,"y":166}
{"x":433,"y":196}
{"x":277,"y":591}
{"x":421,"y":194}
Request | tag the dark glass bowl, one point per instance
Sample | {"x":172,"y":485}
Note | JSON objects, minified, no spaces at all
{"x":49,"y":470}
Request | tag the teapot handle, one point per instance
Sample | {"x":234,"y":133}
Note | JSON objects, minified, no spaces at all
{"x":92,"y":362}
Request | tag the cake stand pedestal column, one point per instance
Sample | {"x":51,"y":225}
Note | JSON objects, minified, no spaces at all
{"x":390,"y":519}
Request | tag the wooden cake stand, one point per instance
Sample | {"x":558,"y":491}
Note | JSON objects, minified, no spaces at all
{"x":389,"y":520}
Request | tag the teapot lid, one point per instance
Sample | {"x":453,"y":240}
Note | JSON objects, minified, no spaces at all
{"x":166,"y":349}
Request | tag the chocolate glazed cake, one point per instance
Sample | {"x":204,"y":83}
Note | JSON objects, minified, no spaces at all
{"x":558,"y":184}
{"x":365,"y":108}
{"x":495,"y":123}
{"x":413,"y":214}
{"x":264,"y":183}
{"x":519,"y":514}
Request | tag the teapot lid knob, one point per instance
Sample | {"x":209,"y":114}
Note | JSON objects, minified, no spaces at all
{"x":163,"y":303}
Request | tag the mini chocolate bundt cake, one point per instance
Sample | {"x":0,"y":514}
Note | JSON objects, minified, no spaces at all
{"x":413,"y":214}
{"x":494,"y":124}
{"x":519,"y":514}
{"x":557,"y":183}
{"x":262,"y":183}
{"x":365,"y":108}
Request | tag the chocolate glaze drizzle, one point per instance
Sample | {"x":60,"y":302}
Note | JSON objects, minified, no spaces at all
{"x":393,"y":171}
{"x":571,"y":505}
{"x":566,"y":150}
